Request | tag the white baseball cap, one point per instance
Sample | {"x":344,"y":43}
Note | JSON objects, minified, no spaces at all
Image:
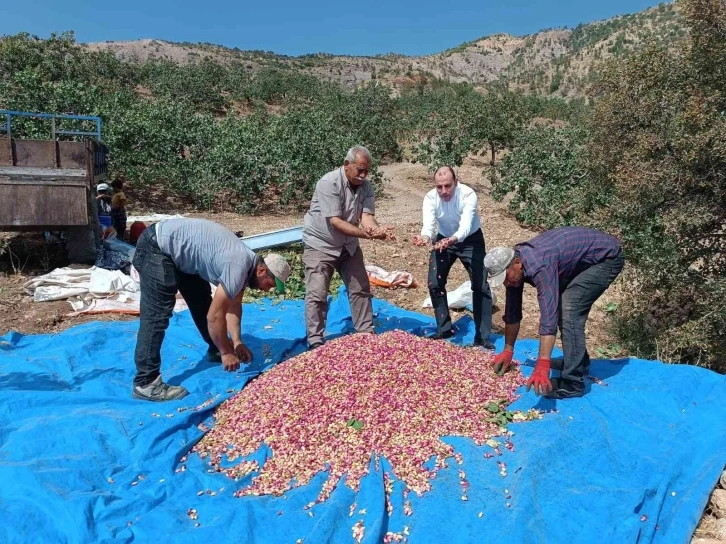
{"x":280,"y":269}
{"x":102,"y":187}
{"x":496,"y":262}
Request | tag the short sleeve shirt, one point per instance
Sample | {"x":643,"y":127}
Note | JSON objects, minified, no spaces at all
{"x":209,"y":250}
{"x":334,"y":197}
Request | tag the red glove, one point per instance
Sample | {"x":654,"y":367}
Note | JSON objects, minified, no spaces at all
{"x":503,"y":361}
{"x":540,"y":378}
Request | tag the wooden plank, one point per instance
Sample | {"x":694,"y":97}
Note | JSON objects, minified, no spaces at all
{"x":72,"y":155}
{"x":69,"y":182}
{"x":29,"y":171}
{"x":37,"y":153}
{"x":6,"y":152}
{"x":39,"y":205}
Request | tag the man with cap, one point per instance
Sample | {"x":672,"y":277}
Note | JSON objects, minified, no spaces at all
{"x":453,"y":207}
{"x":570,"y":267}
{"x":103,"y":199}
{"x":341,"y":212}
{"x":187,"y":255}
{"x":103,"y":205}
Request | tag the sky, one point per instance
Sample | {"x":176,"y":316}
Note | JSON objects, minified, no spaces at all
{"x":294,"y":28}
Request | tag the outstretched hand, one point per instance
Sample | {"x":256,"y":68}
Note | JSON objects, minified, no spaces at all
{"x":381,"y":233}
{"x":420,"y":241}
{"x":444,"y":243}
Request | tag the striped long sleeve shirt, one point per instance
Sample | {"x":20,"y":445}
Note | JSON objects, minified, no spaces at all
{"x":550,"y":261}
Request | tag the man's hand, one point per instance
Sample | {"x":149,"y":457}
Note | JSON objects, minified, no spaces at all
{"x":380,"y":233}
{"x":374,"y":233}
{"x":540,"y":378}
{"x":444,"y":243}
{"x":420,"y":240}
{"x":230,"y":362}
{"x":243,"y":352}
{"x":502,"y":362}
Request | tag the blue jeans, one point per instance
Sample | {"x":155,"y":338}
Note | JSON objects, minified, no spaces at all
{"x":576,"y":300}
{"x":160,"y":281}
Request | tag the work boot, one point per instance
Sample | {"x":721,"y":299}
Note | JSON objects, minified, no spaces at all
{"x":314,"y":346}
{"x":158,"y":391}
{"x":441,"y":335}
{"x":565,"y":389}
{"x":558,"y":363}
{"x":484,"y":344}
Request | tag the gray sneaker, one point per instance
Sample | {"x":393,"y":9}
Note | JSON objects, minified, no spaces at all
{"x":158,"y":391}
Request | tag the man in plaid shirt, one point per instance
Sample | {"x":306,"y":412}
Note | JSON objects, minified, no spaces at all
{"x":570,"y":267}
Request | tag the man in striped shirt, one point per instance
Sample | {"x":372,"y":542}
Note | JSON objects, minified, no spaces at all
{"x":453,"y":206}
{"x":570,"y":267}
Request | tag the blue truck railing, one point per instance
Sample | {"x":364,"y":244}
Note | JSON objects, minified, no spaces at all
{"x":7,"y":128}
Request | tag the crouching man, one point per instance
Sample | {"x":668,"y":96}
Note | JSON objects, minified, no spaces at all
{"x":570,"y":267}
{"x":187,"y":255}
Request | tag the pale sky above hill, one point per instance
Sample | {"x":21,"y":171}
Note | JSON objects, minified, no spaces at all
{"x":293,"y":28}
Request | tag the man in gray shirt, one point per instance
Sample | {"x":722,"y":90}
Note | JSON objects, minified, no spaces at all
{"x":187,"y":255}
{"x":342,"y":211}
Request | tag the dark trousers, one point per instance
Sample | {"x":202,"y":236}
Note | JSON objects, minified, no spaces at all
{"x":160,"y":280}
{"x":576,"y":300}
{"x":471,"y":252}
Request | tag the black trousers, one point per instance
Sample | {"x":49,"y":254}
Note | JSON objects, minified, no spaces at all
{"x":160,"y":280}
{"x":470,"y":252}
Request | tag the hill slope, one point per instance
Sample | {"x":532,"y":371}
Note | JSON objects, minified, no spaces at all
{"x":558,"y":62}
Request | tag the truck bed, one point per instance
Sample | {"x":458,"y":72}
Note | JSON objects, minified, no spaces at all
{"x":32,"y":172}
{"x":42,"y":197}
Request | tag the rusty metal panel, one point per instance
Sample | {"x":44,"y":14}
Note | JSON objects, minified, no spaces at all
{"x":34,"y":153}
{"x":23,"y":205}
{"x":72,"y":155}
{"x":6,"y":152}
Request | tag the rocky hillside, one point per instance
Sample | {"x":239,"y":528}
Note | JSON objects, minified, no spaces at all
{"x":558,"y":62}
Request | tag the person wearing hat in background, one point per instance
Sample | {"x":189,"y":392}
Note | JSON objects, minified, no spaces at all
{"x":570,"y":267}
{"x":187,"y":255}
{"x":453,"y":207}
{"x":103,"y":204}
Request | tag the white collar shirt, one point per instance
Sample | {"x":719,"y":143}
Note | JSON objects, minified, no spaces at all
{"x":458,"y":217}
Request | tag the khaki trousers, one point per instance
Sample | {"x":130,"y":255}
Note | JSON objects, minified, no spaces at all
{"x":319,"y":269}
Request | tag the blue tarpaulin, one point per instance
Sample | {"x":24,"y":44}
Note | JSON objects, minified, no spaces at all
{"x":81,"y":461}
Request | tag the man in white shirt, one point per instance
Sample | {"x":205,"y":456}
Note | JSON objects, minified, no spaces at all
{"x":453,"y":206}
